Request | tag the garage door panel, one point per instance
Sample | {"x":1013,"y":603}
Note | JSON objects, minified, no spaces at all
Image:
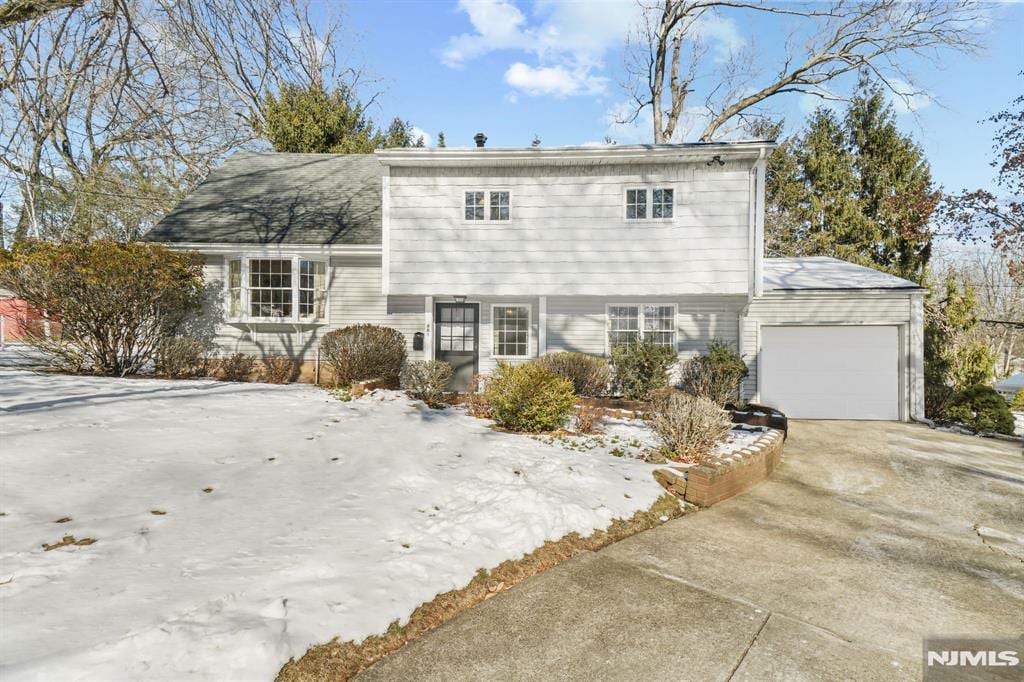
{"x":831,"y":372}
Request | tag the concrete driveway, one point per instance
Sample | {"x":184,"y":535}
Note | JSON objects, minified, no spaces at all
{"x":869,"y":537}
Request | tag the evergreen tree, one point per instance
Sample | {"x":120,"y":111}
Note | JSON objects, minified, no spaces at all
{"x":311,"y":120}
{"x":896,"y":195}
{"x":440,"y":140}
{"x":853,"y":187}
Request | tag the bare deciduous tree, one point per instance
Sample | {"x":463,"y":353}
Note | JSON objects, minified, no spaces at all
{"x":827,"y":41}
{"x":253,"y":47}
{"x":16,"y":11}
{"x":108,"y":113}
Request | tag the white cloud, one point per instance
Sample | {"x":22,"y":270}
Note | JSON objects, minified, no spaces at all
{"x":567,"y":39}
{"x":558,"y":81}
{"x":428,"y":139}
{"x":722,"y":33}
{"x":498,"y":26}
{"x":908,"y":99}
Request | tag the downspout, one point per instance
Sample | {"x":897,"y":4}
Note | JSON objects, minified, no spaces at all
{"x":756,"y":243}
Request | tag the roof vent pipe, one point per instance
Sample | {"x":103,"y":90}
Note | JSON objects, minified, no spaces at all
{"x":480,"y":139}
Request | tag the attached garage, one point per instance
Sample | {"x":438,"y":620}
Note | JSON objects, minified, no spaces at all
{"x":827,"y":339}
{"x":831,"y":372}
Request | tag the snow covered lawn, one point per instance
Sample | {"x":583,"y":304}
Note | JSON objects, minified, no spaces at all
{"x":235,"y":525}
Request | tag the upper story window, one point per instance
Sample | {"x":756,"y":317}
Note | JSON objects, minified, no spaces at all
{"x":499,"y":203}
{"x":655,"y":203}
{"x":276,"y":289}
{"x":474,"y":205}
{"x":661,"y":204}
{"x":499,"y":206}
{"x":636,"y":204}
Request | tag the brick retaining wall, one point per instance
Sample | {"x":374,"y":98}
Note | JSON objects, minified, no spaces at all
{"x":723,"y":477}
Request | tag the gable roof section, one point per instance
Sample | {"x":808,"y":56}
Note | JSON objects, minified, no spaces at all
{"x":278,"y":198}
{"x":823,"y":273}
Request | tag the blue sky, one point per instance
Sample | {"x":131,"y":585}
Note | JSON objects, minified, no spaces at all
{"x":515,"y":68}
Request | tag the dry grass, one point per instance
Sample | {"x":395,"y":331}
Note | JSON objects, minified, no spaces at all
{"x":68,"y":540}
{"x":336,"y":661}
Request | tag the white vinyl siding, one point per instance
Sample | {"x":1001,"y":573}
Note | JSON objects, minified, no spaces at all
{"x":567,"y":235}
{"x":354,"y":296}
{"x":579,"y":323}
{"x":628,"y":324}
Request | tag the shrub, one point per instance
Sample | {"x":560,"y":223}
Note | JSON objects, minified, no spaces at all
{"x":528,"y":397}
{"x":476,"y":399}
{"x":115,"y":302}
{"x":180,"y":357}
{"x":363,"y":352}
{"x":589,"y":375}
{"x":237,"y":367}
{"x":983,"y":409}
{"x":278,"y":369}
{"x":937,"y":399}
{"x":715,"y":375}
{"x":586,"y":418}
{"x":427,"y":380}
{"x":1018,"y":401}
{"x":688,"y":426}
{"x":639,"y":368}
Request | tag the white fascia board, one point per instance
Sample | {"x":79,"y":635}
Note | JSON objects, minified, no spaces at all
{"x":271,"y":249}
{"x":596,"y":155}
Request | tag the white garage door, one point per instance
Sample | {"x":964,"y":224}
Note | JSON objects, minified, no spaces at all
{"x":831,"y":372}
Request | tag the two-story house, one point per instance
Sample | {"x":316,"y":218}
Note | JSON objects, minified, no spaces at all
{"x":486,"y":254}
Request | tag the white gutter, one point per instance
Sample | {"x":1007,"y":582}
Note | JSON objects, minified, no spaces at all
{"x":259,"y":249}
{"x":596,"y":155}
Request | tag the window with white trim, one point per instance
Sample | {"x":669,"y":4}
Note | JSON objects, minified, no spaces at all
{"x":662,"y":203}
{"x":234,"y":288}
{"x":636,"y":204}
{"x":270,"y":287}
{"x":511,"y":328}
{"x":498,"y":205}
{"x":289,"y":289}
{"x":628,"y":324}
{"x":312,"y":289}
{"x":474,"y":205}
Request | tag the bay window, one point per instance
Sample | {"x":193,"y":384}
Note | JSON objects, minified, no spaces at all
{"x":291,"y":289}
{"x":634,"y":322}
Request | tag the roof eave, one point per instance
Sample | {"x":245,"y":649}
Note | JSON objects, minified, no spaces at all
{"x":595,"y":155}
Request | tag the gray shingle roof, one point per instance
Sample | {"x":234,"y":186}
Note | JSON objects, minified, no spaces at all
{"x":822,"y":272}
{"x":281,"y":199}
